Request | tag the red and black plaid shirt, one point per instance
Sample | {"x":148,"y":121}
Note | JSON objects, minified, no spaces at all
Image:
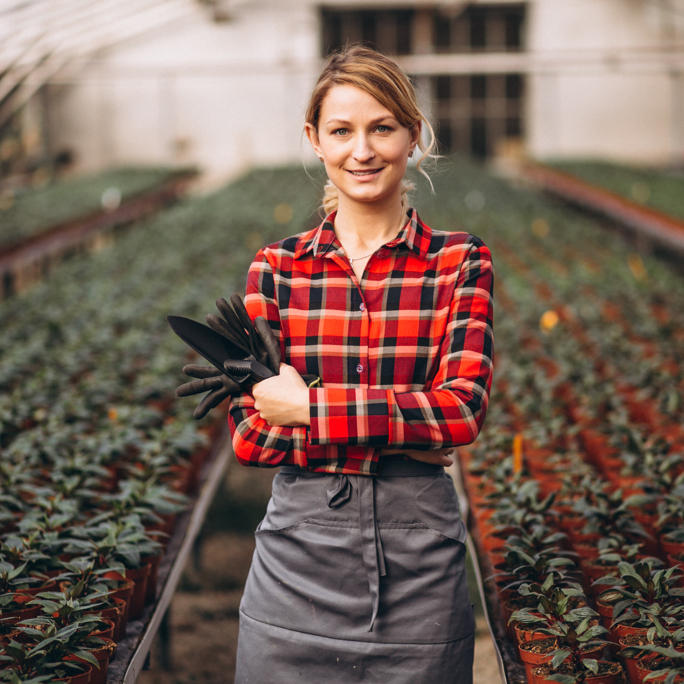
{"x":405,"y":355}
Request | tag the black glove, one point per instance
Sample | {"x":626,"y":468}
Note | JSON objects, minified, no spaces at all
{"x":218,"y":385}
{"x":255,"y":338}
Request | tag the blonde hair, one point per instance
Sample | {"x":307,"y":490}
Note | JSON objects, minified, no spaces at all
{"x":382,"y":78}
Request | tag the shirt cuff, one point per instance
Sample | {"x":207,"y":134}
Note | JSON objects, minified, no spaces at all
{"x":352,"y":416}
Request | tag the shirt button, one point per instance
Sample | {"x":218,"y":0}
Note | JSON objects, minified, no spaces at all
{"x":362,"y":307}
{"x":380,"y":253}
{"x":359,"y":369}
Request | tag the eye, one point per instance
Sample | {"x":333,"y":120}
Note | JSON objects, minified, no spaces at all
{"x":340,"y":131}
{"x":382,"y":128}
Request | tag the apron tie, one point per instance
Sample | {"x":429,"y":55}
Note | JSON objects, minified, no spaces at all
{"x":373,"y":557}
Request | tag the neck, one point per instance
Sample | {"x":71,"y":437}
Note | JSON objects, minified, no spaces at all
{"x":362,"y":228}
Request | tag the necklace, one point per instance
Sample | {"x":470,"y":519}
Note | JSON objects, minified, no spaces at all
{"x":351,"y":261}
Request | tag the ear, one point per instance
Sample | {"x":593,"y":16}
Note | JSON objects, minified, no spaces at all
{"x":312,"y":135}
{"x":414,"y":133}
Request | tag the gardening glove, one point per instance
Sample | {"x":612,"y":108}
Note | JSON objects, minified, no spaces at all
{"x":254,"y":339}
{"x":218,"y":385}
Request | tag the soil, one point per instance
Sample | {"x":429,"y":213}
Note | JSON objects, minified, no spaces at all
{"x":204,"y":611}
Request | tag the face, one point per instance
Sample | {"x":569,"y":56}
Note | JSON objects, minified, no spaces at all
{"x":365,"y":149}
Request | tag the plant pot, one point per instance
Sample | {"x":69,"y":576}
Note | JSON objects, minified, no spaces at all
{"x":11,"y":617}
{"x":106,"y":629}
{"x":613,"y":677}
{"x":102,"y":654}
{"x":643,"y":671}
{"x":671,"y":548}
{"x":524,"y":635}
{"x":114,"y":614}
{"x":33,"y":591}
{"x":634,"y":676}
{"x":83,"y":678}
{"x":532,"y":658}
{"x":151,"y":588}
{"x":124,"y":593}
{"x":139,"y":577}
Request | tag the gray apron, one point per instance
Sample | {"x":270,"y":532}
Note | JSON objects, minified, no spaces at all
{"x":358,"y":579}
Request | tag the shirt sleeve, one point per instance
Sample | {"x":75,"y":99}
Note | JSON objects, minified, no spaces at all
{"x":448,"y":413}
{"x":255,"y":442}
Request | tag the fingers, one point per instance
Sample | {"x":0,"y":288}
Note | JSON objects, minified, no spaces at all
{"x":269,"y":341}
{"x":198,"y":387}
{"x":241,"y":313}
{"x":209,"y":402}
{"x":220,"y":326}
{"x":195,"y":371}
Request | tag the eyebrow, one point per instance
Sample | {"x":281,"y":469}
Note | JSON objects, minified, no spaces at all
{"x":374,"y":121}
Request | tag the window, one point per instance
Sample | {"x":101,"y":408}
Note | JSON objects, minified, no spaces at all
{"x":386,"y":30}
{"x":477,"y":28}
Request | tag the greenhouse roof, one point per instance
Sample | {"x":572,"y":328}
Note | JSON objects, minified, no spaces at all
{"x":40,"y":38}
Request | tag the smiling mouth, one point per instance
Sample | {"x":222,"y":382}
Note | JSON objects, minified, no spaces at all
{"x":369,"y":172}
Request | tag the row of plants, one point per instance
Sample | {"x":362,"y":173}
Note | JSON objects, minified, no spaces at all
{"x":656,"y":188}
{"x":96,"y":452}
{"x":588,"y":336}
{"x":27,"y":212}
{"x":576,"y":484}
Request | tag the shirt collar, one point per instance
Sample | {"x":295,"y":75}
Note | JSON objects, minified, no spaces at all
{"x":321,"y":240}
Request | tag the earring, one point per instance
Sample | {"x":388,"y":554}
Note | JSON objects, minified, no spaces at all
{"x":411,"y":153}
{"x":320,"y":159}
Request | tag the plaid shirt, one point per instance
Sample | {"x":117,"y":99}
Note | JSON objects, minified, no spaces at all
{"x":405,"y":355}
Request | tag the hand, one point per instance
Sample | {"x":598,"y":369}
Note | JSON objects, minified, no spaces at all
{"x":283,"y":400}
{"x":218,"y":385}
{"x":434,"y":456}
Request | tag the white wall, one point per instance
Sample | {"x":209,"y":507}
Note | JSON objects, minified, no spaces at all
{"x":227,"y":96}
{"x":221,"y":96}
{"x":602,"y":87}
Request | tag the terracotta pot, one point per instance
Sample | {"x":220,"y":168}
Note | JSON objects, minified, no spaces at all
{"x":531,"y":660}
{"x":151,"y":588}
{"x":11,"y":617}
{"x":671,"y":548}
{"x":605,"y":610}
{"x":79,"y":678}
{"x":620,"y":631}
{"x":527,"y":634}
{"x":139,"y":577}
{"x":106,"y":629}
{"x":32,"y":591}
{"x":113,"y":614}
{"x":634,"y":676}
{"x":614,"y":678}
{"x":124,"y":593}
{"x":102,"y":654}
{"x":643,"y":671}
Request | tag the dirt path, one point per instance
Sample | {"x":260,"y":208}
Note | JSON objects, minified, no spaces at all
{"x":204,"y":611}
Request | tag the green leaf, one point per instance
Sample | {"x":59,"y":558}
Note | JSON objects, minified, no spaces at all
{"x":591,"y":665}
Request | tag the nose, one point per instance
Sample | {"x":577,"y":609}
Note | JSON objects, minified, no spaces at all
{"x":363,"y":150}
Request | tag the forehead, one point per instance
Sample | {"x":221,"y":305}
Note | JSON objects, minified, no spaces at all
{"x":350,"y":103}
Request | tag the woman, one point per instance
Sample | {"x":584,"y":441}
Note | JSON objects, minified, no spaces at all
{"x":359,"y":568}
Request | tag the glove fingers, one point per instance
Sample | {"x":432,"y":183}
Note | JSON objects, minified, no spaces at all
{"x":269,"y":342}
{"x":241,"y":313}
{"x":232,"y":320}
{"x":205,"y":405}
{"x":221,"y":327}
{"x":198,"y":387}
{"x":195,"y":371}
